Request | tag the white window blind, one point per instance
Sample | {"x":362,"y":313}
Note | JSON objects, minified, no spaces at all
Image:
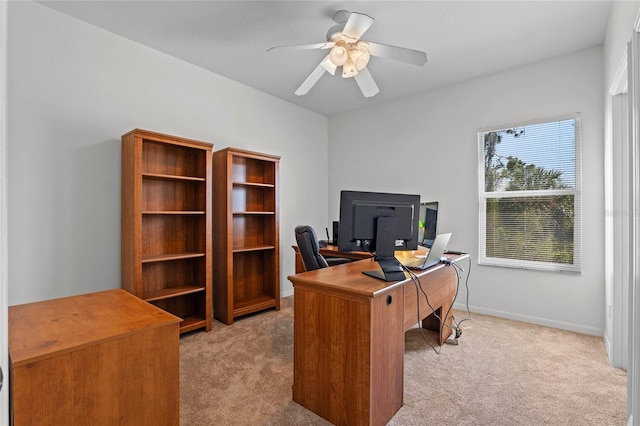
{"x":530,"y":195}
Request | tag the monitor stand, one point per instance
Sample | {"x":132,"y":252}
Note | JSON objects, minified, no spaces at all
{"x":385,"y":254}
{"x":390,"y":270}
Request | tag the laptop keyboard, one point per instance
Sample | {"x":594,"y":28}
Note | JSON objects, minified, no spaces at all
{"x":413,"y":262}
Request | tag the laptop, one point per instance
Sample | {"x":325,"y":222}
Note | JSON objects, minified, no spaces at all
{"x":433,"y":257}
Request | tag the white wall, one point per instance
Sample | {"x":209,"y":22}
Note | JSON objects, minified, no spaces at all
{"x":74,"y":90}
{"x":427,"y":144}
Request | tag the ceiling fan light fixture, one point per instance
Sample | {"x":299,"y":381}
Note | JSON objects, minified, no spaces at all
{"x":339,"y":55}
{"x":360,"y":58}
{"x":349,"y":69}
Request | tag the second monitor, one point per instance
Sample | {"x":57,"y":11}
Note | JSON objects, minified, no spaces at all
{"x":428,"y":223}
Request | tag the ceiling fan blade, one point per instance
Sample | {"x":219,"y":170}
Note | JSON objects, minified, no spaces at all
{"x":357,"y":24}
{"x":324,"y":45}
{"x":367,"y":85}
{"x":410,"y":56}
{"x":329,"y":66}
{"x":310,"y":81}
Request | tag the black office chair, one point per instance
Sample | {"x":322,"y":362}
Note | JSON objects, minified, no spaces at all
{"x":310,"y":250}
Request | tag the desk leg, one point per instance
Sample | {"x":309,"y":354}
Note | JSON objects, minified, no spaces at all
{"x":441,"y":290}
{"x":444,"y":328}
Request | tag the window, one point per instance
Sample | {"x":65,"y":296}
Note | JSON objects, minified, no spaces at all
{"x":530,"y":195}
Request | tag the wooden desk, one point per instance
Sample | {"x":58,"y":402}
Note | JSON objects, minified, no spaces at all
{"x":101,"y":358}
{"x":349,"y":338}
{"x":330,"y":251}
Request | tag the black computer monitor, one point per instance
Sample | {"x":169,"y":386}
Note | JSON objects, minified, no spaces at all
{"x":380,"y":223}
{"x":428,"y":225}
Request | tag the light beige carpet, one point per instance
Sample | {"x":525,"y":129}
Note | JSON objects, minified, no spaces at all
{"x":502,"y":373}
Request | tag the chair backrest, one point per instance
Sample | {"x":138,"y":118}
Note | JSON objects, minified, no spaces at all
{"x":309,"y":249}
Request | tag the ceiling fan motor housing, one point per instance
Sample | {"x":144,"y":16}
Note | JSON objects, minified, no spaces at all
{"x":334,"y":32}
{"x":341,"y":16}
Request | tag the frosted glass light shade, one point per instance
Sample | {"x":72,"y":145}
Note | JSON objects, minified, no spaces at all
{"x":360,"y":58}
{"x":338,"y":55}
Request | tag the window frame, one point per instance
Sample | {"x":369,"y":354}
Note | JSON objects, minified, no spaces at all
{"x":483,"y":196}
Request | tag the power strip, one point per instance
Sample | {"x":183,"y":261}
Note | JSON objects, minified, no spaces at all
{"x":454,"y":338}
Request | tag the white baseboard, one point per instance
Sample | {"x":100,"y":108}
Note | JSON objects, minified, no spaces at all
{"x":578,"y":328}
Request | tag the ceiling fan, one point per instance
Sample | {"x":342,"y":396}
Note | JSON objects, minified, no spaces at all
{"x":352,"y":53}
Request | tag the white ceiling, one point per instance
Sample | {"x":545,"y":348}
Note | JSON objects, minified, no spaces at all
{"x":463,"y":39}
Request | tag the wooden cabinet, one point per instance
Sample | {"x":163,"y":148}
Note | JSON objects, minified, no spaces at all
{"x":246,"y":276}
{"x":166,"y":224}
{"x":102,"y":358}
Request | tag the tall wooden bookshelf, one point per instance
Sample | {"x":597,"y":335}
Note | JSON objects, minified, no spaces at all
{"x":246,"y":276}
{"x":166,"y":224}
